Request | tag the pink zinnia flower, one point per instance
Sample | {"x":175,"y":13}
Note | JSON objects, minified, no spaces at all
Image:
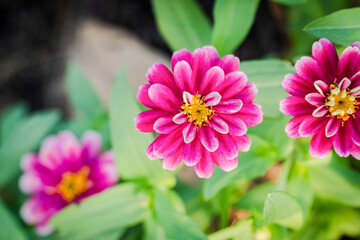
{"x":201,"y":111}
{"x":325,"y":101}
{"x":64,"y":171}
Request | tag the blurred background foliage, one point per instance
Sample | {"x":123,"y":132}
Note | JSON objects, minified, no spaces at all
{"x":277,"y":192}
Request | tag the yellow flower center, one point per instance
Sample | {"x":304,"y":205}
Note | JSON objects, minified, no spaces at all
{"x":196,"y":111}
{"x":73,"y":184}
{"x":341,"y":103}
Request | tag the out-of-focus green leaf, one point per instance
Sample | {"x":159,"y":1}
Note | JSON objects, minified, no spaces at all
{"x":241,"y":230}
{"x":183,"y":24}
{"x":290,"y":2}
{"x":342,"y":27}
{"x":113,"y":234}
{"x":268,"y":76}
{"x":283,"y":209}
{"x":118,"y":207}
{"x":25,"y":137}
{"x":153,"y":230}
{"x":10,"y":227}
{"x":128,"y":143}
{"x":177,"y":225}
{"x":232,"y":22}
{"x":336,"y":182}
{"x":83,"y":98}
{"x":300,"y":189}
{"x":10,"y":118}
{"x":251,"y":165}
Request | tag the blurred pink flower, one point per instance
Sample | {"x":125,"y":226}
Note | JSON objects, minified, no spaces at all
{"x":325,"y":101}
{"x":64,"y":171}
{"x":201,"y":111}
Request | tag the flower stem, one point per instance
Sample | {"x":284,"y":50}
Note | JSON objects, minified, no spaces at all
{"x":285,"y":171}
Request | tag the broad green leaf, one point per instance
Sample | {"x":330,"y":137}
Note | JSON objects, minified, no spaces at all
{"x":290,"y":2}
{"x":118,"y":207}
{"x":232,"y":22}
{"x":183,"y":24}
{"x":128,"y":143}
{"x":113,"y":234}
{"x":251,"y":165}
{"x":283,"y":209}
{"x":25,"y":137}
{"x":241,"y":230}
{"x":337,"y":183}
{"x":9,"y":118}
{"x":153,"y":230}
{"x":300,"y":188}
{"x":10,"y":227}
{"x":342,"y":27}
{"x":268,"y":76}
{"x":82,"y":96}
{"x":177,"y":225}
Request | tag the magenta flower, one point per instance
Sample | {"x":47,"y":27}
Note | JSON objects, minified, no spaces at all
{"x":64,"y":171}
{"x":325,"y":101}
{"x":201,"y":111}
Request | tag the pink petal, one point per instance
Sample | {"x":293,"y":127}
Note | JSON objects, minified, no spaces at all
{"x":295,"y":85}
{"x":110,"y":175}
{"x":144,"y":121}
{"x":356,"y":44}
{"x":183,"y":77}
{"x":229,"y":63}
{"x":342,"y":141}
{"x":228,"y":106}
{"x":191,"y":152}
{"x":311,"y":126}
{"x":205,"y":167}
{"x":219,"y":125}
{"x":226,"y":164}
{"x":212,"y":99}
{"x":349,"y":62}
{"x":236,"y":125}
{"x":30,"y":183}
{"x":344,"y":84}
{"x":233,"y":83}
{"x":69,"y":145}
{"x":355,"y":83}
{"x":91,"y":142}
{"x":189,"y":132}
{"x":321,"y":87}
{"x":292,"y":127}
{"x":172,"y":162}
{"x":187,"y":97}
{"x":355,"y":152}
{"x":309,"y":69}
{"x":315,"y":99}
{"x":164,"y":98}
{"x":354,"y":129}
{"x":295,"y":105}
{"x":208,"y":139}
{"x":325,"y":54}
{"x":180,"y":118}
{"x":320,"y":145}
{"x":248,"y":93}
{"x":165,"y":125}
{"x":44,"y":229}
{"x":160,"y":74}
{"x":150,"y":152}
{"x":332,"y":127}
{"x":28,"y":161}
{"x":165,"y":145}
{"x":181,"y":55}
{"x":213,"y":78}
{"x":227,"y":147}
{"x":50,"y":155}
{"x":143,"y":96}
{"x":243,"y":142}
{"x":320,"y":111}
{"x":251,"y":114}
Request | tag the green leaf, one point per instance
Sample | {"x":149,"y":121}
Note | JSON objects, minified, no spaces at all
{"x":232,"y":22}
{"x":336,"y":182}
{"x":183,"y":24}
{"x":300,"y":188}
{"x":25,"y":137}
{"x":10,"y":227}
{"x":268,"y":76}
{"x":128,"y":143}
{"x":9,"y":118}
{"x":153,"y":230}
{"x":342,"y":27}
{"x":82,"y":96}
{"x":241,"y":230}
{"x":118,"y":207}
{"x":251,"y":165}
{"x":283,"y":209}
{"x":290,"y":2}
{"x":177,"y":225}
